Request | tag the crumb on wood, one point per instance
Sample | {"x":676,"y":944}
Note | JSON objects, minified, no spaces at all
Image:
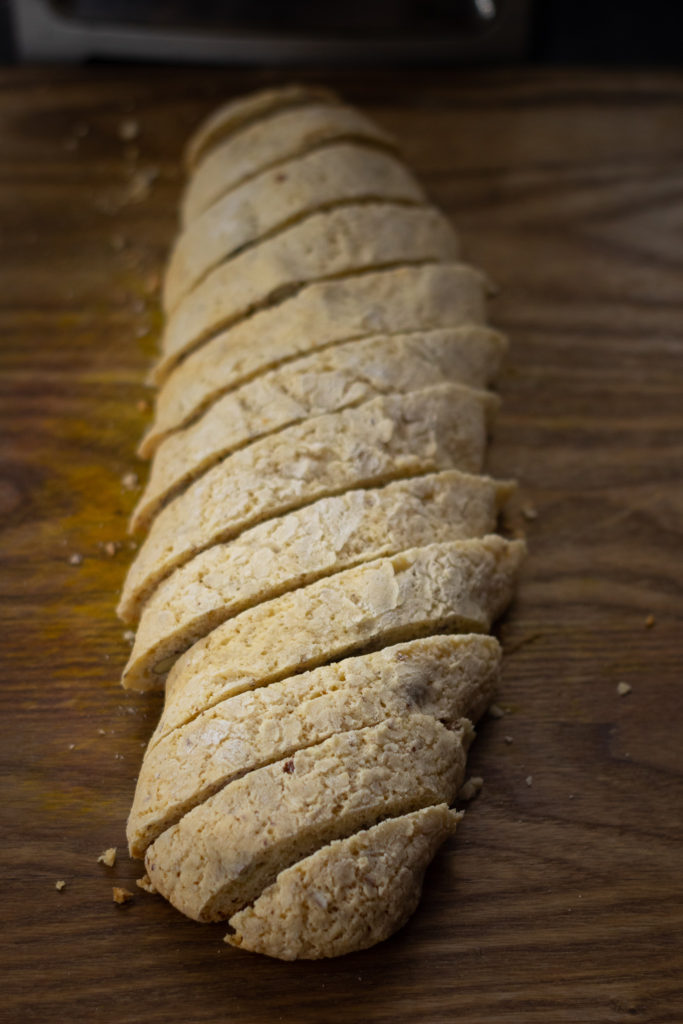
{"x":108,"y":857}
{"x":623,"y":689}
{"x":60,"y":885}
{"x":101,"y":732}
{"x":76,"y":559}
{"x":471,"y":788}
{"x":529,"y":511}
{"x":508,"y":739}
{"x":142,"y":405}
{"x":110,"y":548}
{"x":129,"y":481}
{"x":129,"y":636}
{"x":529,"y":780}
{"x":495,"y":711}
{"x":146,"y":884}
{"x":650,"y":621}
{"x":128,"y":129}
{"x":120,"y":895}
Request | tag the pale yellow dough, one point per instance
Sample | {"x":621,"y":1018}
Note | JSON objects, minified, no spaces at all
{"x":223,"y":853}
{"x":447,"y":677}
{"x":347,"y":896}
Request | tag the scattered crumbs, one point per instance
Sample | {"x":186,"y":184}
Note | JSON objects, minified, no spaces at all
{"x":288,"y":767}
{"x":623,"y":689}
{"x":118,"y":757}
{"x":110,"y":548}
{"x":72,"y":746}
{"x":108,"y":857}
{"x":142,"y":405}
{"x":117,"y":242}
{"x":120,"y":895}
{"x":129,"y":481}
{"x":75,"y":559}
{"x":60,"y":885}
{"x":496,"y":711}
{"x":571,"y":796}
{"x":145,"y":883}
{"x":529,"y":512}
{"x":128,"y":129}
{"x":101,"y":732}
{"x":129,"y":636}
{"x":650,"y":621}
{"x":469,"y":790}
{"x":529,"y":779}
{"x":508,"y":739}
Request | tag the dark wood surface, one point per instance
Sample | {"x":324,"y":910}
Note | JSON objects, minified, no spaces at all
{"x":561,"y":899}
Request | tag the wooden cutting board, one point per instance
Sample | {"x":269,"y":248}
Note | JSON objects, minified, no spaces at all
{"x":561,"y":898}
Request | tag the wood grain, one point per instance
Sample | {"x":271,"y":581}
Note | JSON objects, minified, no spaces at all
{"x":561,"y":898}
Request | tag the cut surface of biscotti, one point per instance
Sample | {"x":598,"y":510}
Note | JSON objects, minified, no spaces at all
{"x":272,"y":140}
{"x":348,"y":895}
{"x":441,"y":427}
{"x":339,"y":241}
{"x":224,"y":853}
{"x":454,"y":586}
{"x":321,"y":314}
{"x":447,"y":677}
{"x":335,"y":378}
{"x":345,"y":172}
{"x":235,"y":114}
{"x":291,"y":551}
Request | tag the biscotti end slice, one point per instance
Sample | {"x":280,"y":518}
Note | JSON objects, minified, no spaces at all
{"x":327,"y":381}
{"x":222,"y":855}
{"x":294,"y":550}
{"x":323,"y":313}
{"x":349,"y":895}
{"x":368,"y":445}
{"x":447,"y":677}
{"x":233,"y":115}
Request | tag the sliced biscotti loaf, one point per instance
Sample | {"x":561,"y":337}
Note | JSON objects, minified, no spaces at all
{"x":454,"y":586}
{"x":340,"y":173}
{"x":335,"y":378}
{"x":371,"y":444}
{"x":237,"y":113}
{"x":348,"y":895}
{"x":344,"y":240}
{"x":272,"y":140}
{"x":447,"y":677}
{"x":222,"y":855}
{"x":321,"y":314}
{"x":296,"y":549}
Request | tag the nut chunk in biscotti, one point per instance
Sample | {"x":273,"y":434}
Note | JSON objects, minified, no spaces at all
{"x":348,"y":895}
{"x":222,"y":854}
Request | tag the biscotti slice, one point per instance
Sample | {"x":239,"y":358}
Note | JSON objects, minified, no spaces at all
{"x":455,"y":586}
{"x":340,"y":241}
{"x":337,"y":174}
{"x":347,"y":896}
{"x":385,"y":439}
{"x":272,"y":140}
{"x":321,"y":314}
{"x":335,"y":378}
{"x":235,"y":114}
{"x":320,"y":539}
{"x":224,"y":853}
{"x":447,"y":677}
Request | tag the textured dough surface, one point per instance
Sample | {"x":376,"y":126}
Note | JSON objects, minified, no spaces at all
{"x":447,"y":677}
{"x":321,"y":314}
{"x":296,"y":549}
{"x":234,"y":114}
{"x":333,"y":379}
{"x":222,"y":854}
{"x":340,"y":241}
{"x":268,"y":202}
{"x":348,"y":895}
{"x":435,"y":428}
{"x":280,"y":136}
{"x":458,"y":585}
